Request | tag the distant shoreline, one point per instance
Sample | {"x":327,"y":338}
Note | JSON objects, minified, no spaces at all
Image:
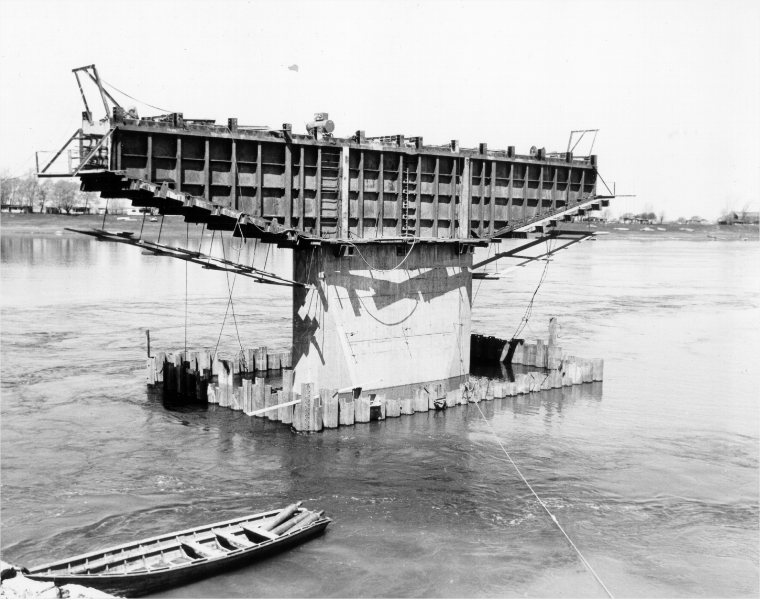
{"x":54,"y":224}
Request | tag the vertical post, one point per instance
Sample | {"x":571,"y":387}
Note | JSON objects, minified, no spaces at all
{"x":483,"y":168}
{"x":360,"y":201}
{"x":259,"y":208}
{"x":319,"y":190}
{"x":207,"y":171}
{"x":435,"y":195}
{"x":554,"y":188}
{"x":286,"y":413}
{"x":178,"y":166}
{"x":453,"y":204}
{"x":380,"y":198}
{"x":302,"y":190}
{"x":288,"y":207}
{"x":418,"y":197}
{"x":147,"y":334}
{"x":464,"y":200}
{"x":553,"y":330}
{"x":400,"y":194}
{"x":234,"y":176}
{"x":344,"y":177}
{"x":149,"y":163}
{"x":329,"y":398}
{"x":492,"y":210}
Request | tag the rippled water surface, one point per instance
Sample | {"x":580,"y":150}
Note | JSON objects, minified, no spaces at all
{"x":654,"y":473}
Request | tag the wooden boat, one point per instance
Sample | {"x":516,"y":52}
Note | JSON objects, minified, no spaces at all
{"x":174,"y":559}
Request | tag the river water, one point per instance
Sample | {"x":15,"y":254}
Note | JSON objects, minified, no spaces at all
{"x":653,"y":473}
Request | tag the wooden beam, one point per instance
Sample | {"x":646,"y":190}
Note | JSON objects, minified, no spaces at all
{"x":510,"y":193}
{"x":270,"y":408}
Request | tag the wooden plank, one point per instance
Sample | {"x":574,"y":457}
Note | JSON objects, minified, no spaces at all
{"x":287,"y":208}
{"x":275,"y":407}
{"x":260,"y":358}
{"x":259,"y":533}
{"x":435,"y":195}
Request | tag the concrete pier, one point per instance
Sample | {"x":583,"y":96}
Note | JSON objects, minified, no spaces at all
{"x":366,"y":324}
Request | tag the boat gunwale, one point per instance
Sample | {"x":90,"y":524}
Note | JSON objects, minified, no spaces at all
{"x":40,"y":570}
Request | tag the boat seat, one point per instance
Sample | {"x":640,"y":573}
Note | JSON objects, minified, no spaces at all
{"x":200,"y":550}
{"x":259,"y":533}
{"x":238,"y":541}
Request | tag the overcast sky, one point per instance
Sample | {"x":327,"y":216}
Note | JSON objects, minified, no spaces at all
{"x":674,"y":87}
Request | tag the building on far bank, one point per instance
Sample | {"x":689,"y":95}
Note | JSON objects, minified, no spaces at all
{"x":740,"y":218}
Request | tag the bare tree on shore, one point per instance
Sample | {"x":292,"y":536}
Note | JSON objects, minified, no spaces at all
{"x":661,"y":216}
{"x":63,"y":195}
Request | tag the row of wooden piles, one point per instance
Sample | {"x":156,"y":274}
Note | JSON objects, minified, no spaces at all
{"x":189,"y":374}
{"x":541,"y":354}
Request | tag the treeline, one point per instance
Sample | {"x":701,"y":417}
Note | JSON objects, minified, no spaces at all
{"x":29,"y":191}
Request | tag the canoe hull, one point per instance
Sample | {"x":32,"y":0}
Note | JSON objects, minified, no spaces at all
{"x":138,"y":584}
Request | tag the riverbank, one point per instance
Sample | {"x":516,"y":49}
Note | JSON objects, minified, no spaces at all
{"x":174,"y":226}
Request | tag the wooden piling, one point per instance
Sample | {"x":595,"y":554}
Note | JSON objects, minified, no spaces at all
{"x":346,"y":411}
{"x":540,"y":354}
{"x":453,"y":397}
{"x":286,"y":360}
{"x":553,"y":357}
{"x":393,"y":407}
{"x":519,"y":355}
{"x":271,"y":399}
{"x":273,"y":361}
{"x":330,"y":408}
{"x":490,"y":391}
{"x":553,"y":331}
{"x":597,"y":369}
{"x":377,"y":407}
{"x":211,"y":394}
{"x":406,"y":406}
{"x":286,"y":414}
{"x":308,"y":414}
{"x":361,"y":409}
{"x":420,"y":401}
{"x":260,"y":359}
{"x":529,"y":357}
{"x":546,"y":382}
{"x":259,"y":396}
{"x":226,"y":382}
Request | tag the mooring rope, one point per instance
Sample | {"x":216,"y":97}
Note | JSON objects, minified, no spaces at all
{"x":543,"y":505}
{"x":529,"y":309}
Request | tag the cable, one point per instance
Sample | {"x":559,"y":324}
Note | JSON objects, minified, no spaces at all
{"x":543,"y":505}
{"x":414,"y":241}
{"x":529,"y":309}
{"x":135,"y":99}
